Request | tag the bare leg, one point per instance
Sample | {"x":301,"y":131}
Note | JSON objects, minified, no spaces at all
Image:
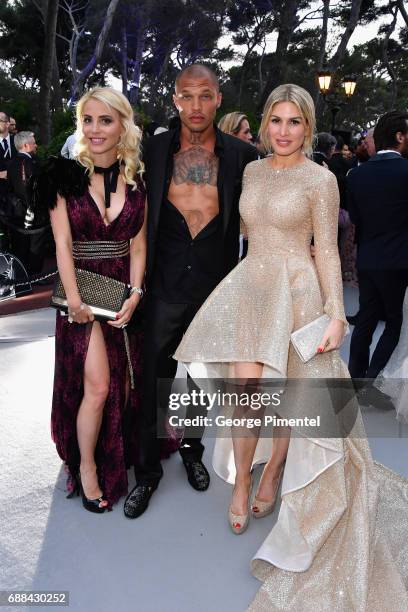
{"x":270,"y":476}
{"x":89,"y":419}
{"x":244,"y":447}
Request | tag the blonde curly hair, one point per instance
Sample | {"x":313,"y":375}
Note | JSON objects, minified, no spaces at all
{"x":129,"y":143}
{"x":303,"y":100}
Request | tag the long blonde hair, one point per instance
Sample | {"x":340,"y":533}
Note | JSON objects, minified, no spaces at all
{"x":129,"y":143}
{"x":231,"y":122}
{"x":303,"y":100}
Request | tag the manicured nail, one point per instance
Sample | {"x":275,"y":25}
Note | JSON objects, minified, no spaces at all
{"x":117,"y":316}
{"x":320,"y":350}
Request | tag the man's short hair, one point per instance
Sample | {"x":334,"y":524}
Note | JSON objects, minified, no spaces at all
{"x":196,"y":71}
{"x":22,"y":138}
{"x":7,"y":116}
{"x":340,"y":143}
{"x":325,"y":142}
{"x":385,"y":132}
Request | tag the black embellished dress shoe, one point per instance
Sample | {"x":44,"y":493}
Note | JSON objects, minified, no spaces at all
{"x":197,"y":475}
{"x":138,"y":500}
{"x":371,"y":396}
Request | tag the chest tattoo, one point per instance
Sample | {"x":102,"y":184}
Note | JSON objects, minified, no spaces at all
{"x":195,"y":166}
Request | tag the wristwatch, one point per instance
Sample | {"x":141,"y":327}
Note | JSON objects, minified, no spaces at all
{"x":138,"y":290}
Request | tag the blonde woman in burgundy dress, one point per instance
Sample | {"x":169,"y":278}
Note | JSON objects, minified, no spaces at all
{"x":337,"y":542}
{"x":97,"y":204}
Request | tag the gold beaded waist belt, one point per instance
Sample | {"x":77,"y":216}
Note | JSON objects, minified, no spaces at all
{"x":100,"y":249}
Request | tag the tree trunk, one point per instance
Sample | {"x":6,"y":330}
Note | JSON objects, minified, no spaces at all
{"x":137,"y":66}
{"x":47,"y":72}
{"x":386,"y":59}
{"x":260,"y":74}
{"x":286,"y":28}
{"x":56,"y":86}
{"x":350,"y":27}
{"x":241,"y":81}
{"x":403,"y":10}
{"x":124,"y":64}
{"x":322,"y":53}
{"x":80,"y":78}
{"x":154,"y":109}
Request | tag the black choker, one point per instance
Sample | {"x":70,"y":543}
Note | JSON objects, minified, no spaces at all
{"x":110,"y":179}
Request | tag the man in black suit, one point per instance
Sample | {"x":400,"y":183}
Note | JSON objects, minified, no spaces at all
{"x":340,"y":167}
{"x":7,"y":150}
{"x":193,"y":180}
{"x":378,"y":206}
{"x":27,"y":240}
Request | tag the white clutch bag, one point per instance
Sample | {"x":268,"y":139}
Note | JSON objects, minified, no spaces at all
{"x":306,"y":339}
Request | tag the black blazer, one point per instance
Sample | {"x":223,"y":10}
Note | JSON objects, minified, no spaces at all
{"x":19,"y":172}
{"x":377,"y":196}
{"x":4,"y":165}
{"x":340,"y":167}
{"x":4,"y":162}
{"x":234,"y":155}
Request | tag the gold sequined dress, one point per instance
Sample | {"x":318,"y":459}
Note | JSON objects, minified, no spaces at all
{"x":341,"y":538}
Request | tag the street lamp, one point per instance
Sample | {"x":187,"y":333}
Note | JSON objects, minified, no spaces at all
{"x":324,"y":77}
{"x":325,"y":80}
{"x":349,"y":84}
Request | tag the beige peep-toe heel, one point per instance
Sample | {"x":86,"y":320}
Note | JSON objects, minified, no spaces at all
{"x":240,"y":522}
{"x":260,"y":508}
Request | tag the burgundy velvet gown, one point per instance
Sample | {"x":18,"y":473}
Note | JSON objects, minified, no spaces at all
{"x":116,"y":447}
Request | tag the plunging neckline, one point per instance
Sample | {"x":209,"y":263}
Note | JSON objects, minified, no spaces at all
{"x":92,"y":199}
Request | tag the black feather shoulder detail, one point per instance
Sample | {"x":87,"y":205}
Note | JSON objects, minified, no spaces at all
{"x":57,"y":176}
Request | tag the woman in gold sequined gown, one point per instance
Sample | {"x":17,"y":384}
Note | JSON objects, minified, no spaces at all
{"x":337,"y":542}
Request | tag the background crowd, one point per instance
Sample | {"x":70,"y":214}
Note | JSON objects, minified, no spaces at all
{"x":27,"y":237}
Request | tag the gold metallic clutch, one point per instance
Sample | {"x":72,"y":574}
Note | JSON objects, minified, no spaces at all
{"x":105,"y":296}
{"x":306,"y":339}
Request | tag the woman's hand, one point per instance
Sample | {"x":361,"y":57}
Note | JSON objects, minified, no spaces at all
{"x":333,"y":336}
{"x":125,"y":314}
{"x":80,"y":313}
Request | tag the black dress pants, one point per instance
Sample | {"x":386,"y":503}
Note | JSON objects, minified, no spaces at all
{"x":29,"y":248}
{"x":165,"y":325}
{"x":381,"y":296}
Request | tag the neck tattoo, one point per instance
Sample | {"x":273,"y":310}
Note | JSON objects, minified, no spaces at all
{"x":195,"y":138}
